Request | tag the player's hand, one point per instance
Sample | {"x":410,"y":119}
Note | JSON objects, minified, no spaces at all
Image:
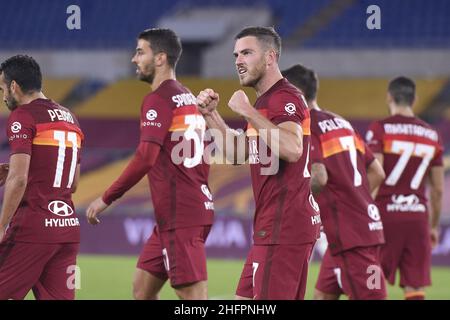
{"x":207,"y":101}
{"x":434,"y":234}
{"x":94,"y":209}
{"x":4,"y":169}
{"x":240,"y":104}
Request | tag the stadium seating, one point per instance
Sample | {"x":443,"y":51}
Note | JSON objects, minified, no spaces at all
{"x":404,"y":23}
{"x":105,"y":24}
{"x":115,"y":24}
{"x":353,"y":98}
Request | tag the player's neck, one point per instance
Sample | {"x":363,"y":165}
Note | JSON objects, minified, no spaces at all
{"x":168,"y":74}
{"x":267,"y":81}
{"x":402,"y":111}
{"x":26,"y":99}
{"x":312,"y":104}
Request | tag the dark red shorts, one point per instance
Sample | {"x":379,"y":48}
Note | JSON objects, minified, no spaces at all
{"x":408,"y":249}
{"x":355,"y":272}
{"x":46,"y":268}
{"x":178,"y":255}
{"x":275,"y":272}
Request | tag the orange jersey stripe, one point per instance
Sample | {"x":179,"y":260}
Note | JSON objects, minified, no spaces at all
{"x":185,"y":110}
{"x":179,"y":118}
{"x":61,"y":126}
{"x":178,"y":123}
{"x":306,"y":126}
{"x":360,"y":145}
{"x":46,"y":138}
{"x":387,"y":146}
{"x":333,"y":146}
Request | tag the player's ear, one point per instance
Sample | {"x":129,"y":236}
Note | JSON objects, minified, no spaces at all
{"x":271,"y":57}
{"x":389,"y":99}
{"x":161,"y":59}
{"x":13,"y":86}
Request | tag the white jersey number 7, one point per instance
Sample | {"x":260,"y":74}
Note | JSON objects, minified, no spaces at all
{"x":407,"y":149}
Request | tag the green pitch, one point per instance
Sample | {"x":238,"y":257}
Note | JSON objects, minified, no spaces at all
{"x":110,"y":277}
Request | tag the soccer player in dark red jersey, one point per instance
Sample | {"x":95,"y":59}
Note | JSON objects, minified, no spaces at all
{"x":39,"y":232}
{"x":286,"y":221}
{"x":343,"y":174}
{"x":411,"y":153}
{"x":178,"y":182}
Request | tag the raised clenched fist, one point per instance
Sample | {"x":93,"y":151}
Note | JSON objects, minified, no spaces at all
{"x":207,"y":101}
{"x":240,"y":104}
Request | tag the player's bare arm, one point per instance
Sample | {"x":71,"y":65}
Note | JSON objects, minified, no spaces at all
{"x":436,"y":180}
{"x":319,"y":178}
{"x":380,"y":158}
{"x":4,"y":167}
{"x":375,"y":176}
{"x":15,"y":185}
{"x":207,"y":101}
{"x":289,"y":143}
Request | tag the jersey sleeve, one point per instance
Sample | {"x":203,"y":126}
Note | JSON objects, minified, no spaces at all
{"x":287,"y":106}
{"x":368,"y":156}
{"x":438,"y":157}
{"x":20,"y":131}
{"x":374,"y":138}
{"x":156,"y":119}
{"x":80,"y":151}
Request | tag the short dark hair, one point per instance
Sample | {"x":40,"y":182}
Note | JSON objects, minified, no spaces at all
{"x":266,"y":35}
{"x":164,"y":40}
{"x":402,"y":90}
{"x":303,"y":78}
{"x":24,"y":70}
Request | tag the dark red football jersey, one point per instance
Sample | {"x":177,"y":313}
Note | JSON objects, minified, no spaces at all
{"x":410,"y":147}
{"x":179,"y":178}
{"x":349,"y":215}
{"x":51,"y":135}
{"x":285,"y":212}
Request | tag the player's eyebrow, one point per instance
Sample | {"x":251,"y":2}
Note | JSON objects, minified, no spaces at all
{"x":235,"y":54}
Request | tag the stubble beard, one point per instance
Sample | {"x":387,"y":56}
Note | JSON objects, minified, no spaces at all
{"x":253,"y":76}
{"x":10,"y":101}
{"x":148,"y":75}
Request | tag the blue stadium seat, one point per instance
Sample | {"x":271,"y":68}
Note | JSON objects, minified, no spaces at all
{"x":404,"y":23}
{"x":104,"y":23}
{"x":115,"y":24}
